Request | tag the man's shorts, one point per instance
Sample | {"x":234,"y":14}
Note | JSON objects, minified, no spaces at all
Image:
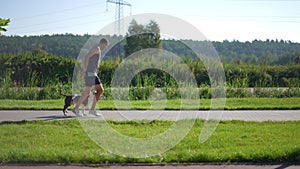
{"x":92,"y":81}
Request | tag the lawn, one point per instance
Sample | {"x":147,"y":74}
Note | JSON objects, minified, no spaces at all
{"x":231,"y":104}
{"x":64,"y":141}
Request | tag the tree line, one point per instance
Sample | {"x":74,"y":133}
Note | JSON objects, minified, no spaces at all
{"x":268,"y":52}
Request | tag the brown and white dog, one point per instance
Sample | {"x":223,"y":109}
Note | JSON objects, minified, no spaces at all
{"x":73,"y":99}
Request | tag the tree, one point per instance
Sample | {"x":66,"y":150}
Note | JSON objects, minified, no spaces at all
{"x":3,"y":22}
{"x":142,"y":37}
{"x":296,"y":58}
{"x":153,"y":34}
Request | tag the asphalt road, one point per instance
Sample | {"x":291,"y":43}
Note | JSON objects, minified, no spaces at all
{"x":247,"y":115}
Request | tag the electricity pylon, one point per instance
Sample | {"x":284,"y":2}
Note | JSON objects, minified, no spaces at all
{"x":119,"y":23}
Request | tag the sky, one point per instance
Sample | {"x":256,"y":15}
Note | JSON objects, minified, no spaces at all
{"x":218,"y":20}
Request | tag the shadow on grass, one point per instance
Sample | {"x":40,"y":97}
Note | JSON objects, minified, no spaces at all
{"x":43,"y":118}
{"x":289,"y":159}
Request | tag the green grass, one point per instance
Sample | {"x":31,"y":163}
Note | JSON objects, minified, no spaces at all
{"x":231,"y":104}
{"x":64,"y":141}
{"x":262,"y":103}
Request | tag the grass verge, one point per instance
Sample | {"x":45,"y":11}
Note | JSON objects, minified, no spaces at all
{"x":64,"y":141}
{"x":231,"y":104}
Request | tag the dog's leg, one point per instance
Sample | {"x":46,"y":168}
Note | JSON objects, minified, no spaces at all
{"x":65,"y":110}
{"x":68,"y":102}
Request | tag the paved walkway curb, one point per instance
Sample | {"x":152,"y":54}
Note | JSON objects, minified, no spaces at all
{"x":246,"y":115}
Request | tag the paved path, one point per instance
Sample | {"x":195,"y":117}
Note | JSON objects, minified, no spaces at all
{"x":247,"y":115}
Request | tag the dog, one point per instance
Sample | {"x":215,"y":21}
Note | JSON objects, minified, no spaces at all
{"x":73,"y":99}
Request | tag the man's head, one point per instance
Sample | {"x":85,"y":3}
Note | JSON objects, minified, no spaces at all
{"x":103,"y":43}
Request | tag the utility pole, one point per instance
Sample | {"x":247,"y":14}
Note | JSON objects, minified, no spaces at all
{"x":119,"y":23}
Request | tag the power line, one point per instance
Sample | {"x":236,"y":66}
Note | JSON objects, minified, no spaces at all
{"x":285,"y":19}
{"x":57,"y":11}
{"x":57,"y":21}
{"x":64,"y":26}
{"x":245,"y":16}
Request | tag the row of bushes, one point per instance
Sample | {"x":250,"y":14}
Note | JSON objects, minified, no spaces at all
{"x":143,"y":93}
{"x":39,"y":68}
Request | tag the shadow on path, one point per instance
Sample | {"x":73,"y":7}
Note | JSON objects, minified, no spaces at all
{"x":46,"y":118}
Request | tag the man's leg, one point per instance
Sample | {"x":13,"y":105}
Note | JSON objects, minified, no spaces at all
{"x":100,"y":90}
{"x":83,"y":97}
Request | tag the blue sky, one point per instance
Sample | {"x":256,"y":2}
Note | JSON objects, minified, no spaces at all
{"x":243,"y":20}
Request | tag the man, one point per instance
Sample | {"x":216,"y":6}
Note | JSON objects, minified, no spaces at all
{"x":90,"y":70}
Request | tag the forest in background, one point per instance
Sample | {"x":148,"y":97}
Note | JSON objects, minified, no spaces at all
{"x":269,"y":52}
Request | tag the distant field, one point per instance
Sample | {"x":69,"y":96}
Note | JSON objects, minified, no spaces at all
{"x":231,"y":104}
{"x":64,"y":141}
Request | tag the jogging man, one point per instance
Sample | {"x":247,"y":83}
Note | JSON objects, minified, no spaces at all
{"x":90,"y":70}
